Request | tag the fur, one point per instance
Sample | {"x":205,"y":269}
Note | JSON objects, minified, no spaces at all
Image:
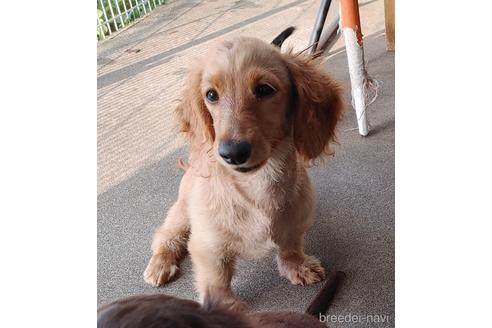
{"x":224,"y":212}
{"x":162,"y":311}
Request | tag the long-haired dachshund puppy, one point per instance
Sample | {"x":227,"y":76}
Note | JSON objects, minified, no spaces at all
{"x":254,"y":118}
{"x":163,"y":311}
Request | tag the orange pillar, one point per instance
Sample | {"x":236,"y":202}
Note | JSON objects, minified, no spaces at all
{"x":361,"y":83}
{"x":351,"y":18}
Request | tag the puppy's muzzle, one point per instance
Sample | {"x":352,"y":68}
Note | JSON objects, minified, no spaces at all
{"x":235,"y":153}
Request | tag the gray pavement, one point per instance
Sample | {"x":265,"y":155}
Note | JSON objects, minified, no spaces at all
{"x":138,"y":151}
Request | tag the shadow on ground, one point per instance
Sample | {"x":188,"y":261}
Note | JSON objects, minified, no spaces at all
{"x":353,"y":230}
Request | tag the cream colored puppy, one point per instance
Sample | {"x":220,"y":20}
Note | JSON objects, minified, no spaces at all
{"x":254,"y":117}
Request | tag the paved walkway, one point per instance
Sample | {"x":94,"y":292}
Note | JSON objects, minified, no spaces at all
{"x":140,"y":73}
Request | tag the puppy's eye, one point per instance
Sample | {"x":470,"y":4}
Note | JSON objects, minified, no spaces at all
{"x":212,"y":95}
{"x":264,"y":90}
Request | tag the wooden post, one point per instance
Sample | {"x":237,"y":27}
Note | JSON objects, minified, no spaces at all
{"x":389,"y":19}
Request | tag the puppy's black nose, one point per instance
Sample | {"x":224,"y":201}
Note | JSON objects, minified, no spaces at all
{"x":235,"y":152}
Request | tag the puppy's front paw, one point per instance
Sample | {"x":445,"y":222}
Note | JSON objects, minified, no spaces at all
{"x":223,"y":299}
{"x":160,"y":270}
{"x":238,"y":306}
{"x":305,"y":273}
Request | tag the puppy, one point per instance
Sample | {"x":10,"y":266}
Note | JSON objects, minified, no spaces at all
{"x":254,"y":118}
{"x":166,"y":311}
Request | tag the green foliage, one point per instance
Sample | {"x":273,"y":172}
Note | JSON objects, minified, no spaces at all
{"x":131,"y":15}
{"x":103,"y":28}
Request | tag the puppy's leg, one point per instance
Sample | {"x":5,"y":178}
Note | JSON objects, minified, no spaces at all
{"x":169,"y":242}
{"x":299,"y":268}
{"x":213,"y":268}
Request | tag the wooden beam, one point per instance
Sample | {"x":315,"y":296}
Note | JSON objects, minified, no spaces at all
{"x":389,"y":18}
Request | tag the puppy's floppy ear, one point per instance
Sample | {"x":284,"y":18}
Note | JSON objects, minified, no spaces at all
{"x":192,"y":116}
{"x":318,"y":105}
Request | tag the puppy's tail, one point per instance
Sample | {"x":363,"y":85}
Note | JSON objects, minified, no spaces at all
{"x":283,"y":36}
{"x":323,"y":300}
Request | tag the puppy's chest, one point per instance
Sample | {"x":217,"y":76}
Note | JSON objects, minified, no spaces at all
{"x":244,"y":217}
{"x":251,"y":231}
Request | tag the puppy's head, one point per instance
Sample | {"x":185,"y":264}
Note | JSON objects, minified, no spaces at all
{"x":246,"y":96}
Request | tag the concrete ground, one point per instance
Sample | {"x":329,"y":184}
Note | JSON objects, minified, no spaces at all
{"x":140,"y":72}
